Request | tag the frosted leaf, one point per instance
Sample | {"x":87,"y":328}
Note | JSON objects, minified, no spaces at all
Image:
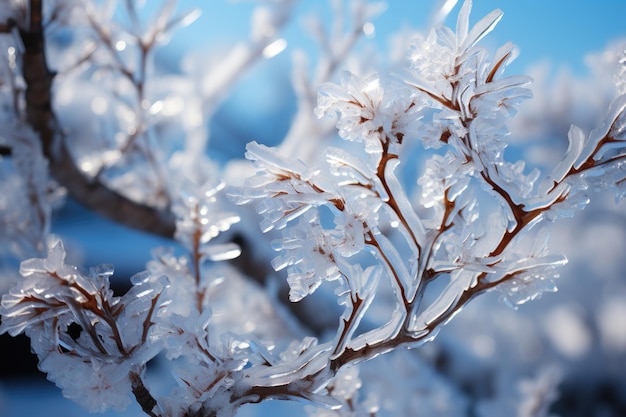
{"x":296,"y":371}
{"x":200,"y":217}
{"x":616,"y":110}
{"x":528,"y":278}
{"x":269,"y":160}
{"x":403,"y":113}
{"x":344,"y":164}
{"x":42,"y":293}
{"x":203,"y":385}
{"x":416,"y":233}
{"x":348,"y":236}
{"x":283,"y":189}
{"x":396,"y":265}
{"x":463,"y":248}
{"x":310,"y":258}
{"x":503,"y":56}
{"x":462,"y":21}
{"x":185,"y":335}
{"x":460,"y":281}
{"x":356,"y":295}
{"x":501,"y":95}
{"x":275,"y":217}
{"x":432,"y":59}
{"x":519,"y":185}
{"x":576,"y":142}
{"x":381,"y":333}
{"x":94,"y":384}
{"x":576,"y":198}
{"x":142,"y":305}
{"x":304,"y":282}
{"x":442,"y":174}
{"x":297,"y":348}
{"x":480,"y":29}
{"x":358,"y":103}
{"x":221,"y":252}
{"x":178,"y":271}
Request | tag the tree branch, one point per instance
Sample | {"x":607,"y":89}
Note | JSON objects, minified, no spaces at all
{"x":39,"y":114}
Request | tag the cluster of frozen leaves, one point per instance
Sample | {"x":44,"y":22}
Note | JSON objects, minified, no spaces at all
{"x":453,"y":97}
{"x":78,"y":327}
{"x":349,"y":220}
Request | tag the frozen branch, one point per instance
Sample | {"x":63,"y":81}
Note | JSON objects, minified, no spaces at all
{"x":91,"y":193}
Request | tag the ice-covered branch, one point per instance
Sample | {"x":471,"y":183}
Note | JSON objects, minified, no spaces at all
{"x":450,"y":73}
{"x":78,"y":326}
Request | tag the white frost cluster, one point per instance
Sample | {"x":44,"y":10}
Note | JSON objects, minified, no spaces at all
{"x":52,"y":297}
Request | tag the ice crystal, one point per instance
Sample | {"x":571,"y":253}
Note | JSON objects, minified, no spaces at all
{"x":200,"y":220}
{"x":102,"y":384}
{"x":310,"y":257}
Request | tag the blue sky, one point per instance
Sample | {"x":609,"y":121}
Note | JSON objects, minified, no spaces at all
{"x":559,"y":31}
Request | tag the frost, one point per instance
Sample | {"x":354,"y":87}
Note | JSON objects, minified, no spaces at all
{"x":200,"y":219}
{"x":309,"y":256}
{"x":528,"y":278}
{"x":52,"y":296}
{"x":101,"y":385}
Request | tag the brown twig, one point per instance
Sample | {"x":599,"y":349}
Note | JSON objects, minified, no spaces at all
{"x":142,"y":395}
